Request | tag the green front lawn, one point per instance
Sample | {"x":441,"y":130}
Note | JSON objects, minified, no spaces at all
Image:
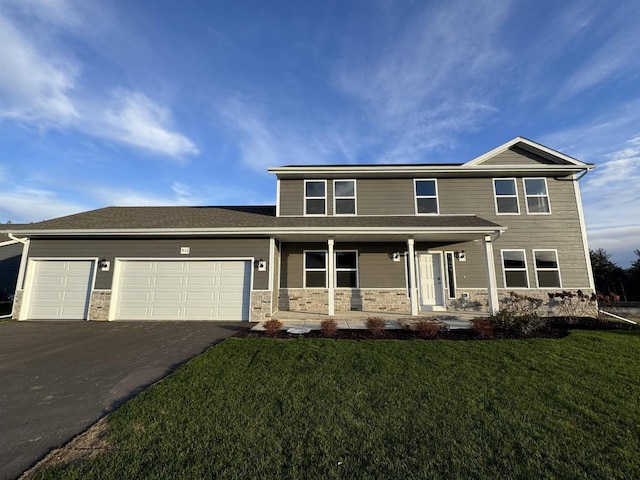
{"x":259,"y":408}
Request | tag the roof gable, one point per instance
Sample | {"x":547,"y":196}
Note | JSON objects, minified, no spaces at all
{"x":522,"y":151}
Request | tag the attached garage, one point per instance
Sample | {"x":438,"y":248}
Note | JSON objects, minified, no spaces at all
{"x":60,"y":289}
{"x":181,"y":290}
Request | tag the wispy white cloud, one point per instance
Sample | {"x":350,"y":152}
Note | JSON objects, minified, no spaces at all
{"x":41,"y":84}
{"x":427,"y":85}
{"x":35,"y":85}
{"x":23,"y":205}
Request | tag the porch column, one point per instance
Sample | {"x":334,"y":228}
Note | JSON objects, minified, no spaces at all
{"x":330,"y":279}
{"x":412,"y":277}
{"x":492,"y":284}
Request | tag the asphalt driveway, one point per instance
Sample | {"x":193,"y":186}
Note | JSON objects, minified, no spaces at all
{"x":58,"y":378}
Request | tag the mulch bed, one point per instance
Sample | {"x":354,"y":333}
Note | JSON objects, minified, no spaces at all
{"x":557,"y":327}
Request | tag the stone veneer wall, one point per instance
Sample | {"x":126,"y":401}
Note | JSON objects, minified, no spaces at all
{"x":478,"y":301}
{"x":99,"y":305}
{"x":346,"y":299}
{"x":304,"y":300}
{"x":17,"y":303}
{"x":260,"y":305}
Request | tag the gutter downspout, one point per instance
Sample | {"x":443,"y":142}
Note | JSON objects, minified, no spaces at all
{"x":25,"y":243}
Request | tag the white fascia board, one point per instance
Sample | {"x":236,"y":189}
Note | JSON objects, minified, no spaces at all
{"x":8,"y":242}
{"x":264,"y":231}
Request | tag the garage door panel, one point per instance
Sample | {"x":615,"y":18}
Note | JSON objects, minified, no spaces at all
{"x":184,"y":290}
{"x":138,"y":266}
{"x":170,"y":281}
{"x":60,"y":289}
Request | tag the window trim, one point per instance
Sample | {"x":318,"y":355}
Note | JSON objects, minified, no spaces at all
{"x":495,"y":196}
{"x":526,"y":196}
{"x":450,"y":279}
{"x":415,"y":195}
{"x":305,"y":269}
{"x":336,"y":269}
{"x":304,"y":193}
{"x":354,"y":197}
{"x":504,"y":269}
{"x":557,"y":269}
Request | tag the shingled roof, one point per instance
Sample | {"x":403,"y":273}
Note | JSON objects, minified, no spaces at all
{"x":233,"y":217}
{"x":4,"y":237}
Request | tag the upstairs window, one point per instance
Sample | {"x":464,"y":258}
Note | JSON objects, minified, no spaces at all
{"x":514,"y":266}
{"x":535,"y":190}
{"x":315,"y":197}
{"x":344,"y":197}
{"x":346,"y":269}
{"x":315,"y":269}
{"x":426,"y":196}
{"x":506,"y":196}
{"x":547,"y":270}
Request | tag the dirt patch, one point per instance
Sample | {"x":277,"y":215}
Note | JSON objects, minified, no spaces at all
{"x":88,"y":444}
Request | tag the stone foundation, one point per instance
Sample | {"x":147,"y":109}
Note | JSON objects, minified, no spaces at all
{"x":17,"y":304}
{"x":99,"y":305}
{"x":316,"y":300}
{"x":304,"y":300}
{"x":260,"y":306}
{"x":477,"y":301}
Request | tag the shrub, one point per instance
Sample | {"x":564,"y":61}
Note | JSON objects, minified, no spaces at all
{"x":522,"y":324}
{"x":483,"y":327}
{"x":574,"y":305}
{"x":376,"y":325}
{"x":328,"y":327}
{"x":427,"y":328}
{"x":272,"y":326}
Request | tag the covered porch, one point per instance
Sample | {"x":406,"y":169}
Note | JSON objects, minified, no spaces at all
{"x":387,"y":271}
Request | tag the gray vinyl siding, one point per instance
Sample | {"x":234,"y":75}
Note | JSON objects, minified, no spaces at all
{"x":292,"y":197}
{"x":112,"y":248}
{"x":10,"y":256}
{"x":386,"y":196}
{"x":517,"y":156}
{"x":375,"y":268}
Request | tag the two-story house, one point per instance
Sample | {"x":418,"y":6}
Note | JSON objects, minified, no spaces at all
{"x":395,"y":238}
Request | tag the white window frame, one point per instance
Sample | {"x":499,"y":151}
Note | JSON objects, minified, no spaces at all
{"x":305,"y":269}
{"x":416,"y":196}
{"x":504,"y":269}
{"x":526,"y":196}
{"x":446,"y":270}
{"x":336,"y":269}
{"x":354,"y":197}
{"x":536,"y":269}
{"x":495,"y":196}
{"x":304,"y":193}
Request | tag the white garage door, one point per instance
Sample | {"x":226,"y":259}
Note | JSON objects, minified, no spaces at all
{"x":183,"y":290}
{"x":60,"y":289}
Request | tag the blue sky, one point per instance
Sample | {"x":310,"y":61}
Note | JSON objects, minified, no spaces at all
{"x":177,"y":103}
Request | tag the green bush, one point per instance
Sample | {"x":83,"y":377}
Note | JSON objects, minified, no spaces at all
{"x":522,"y":324}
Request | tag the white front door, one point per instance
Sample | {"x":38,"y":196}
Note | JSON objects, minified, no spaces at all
{"x":430,"y":281}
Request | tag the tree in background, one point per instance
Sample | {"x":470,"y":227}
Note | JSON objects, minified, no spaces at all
{"x":633,"y":277}
{"x":607,"y":275}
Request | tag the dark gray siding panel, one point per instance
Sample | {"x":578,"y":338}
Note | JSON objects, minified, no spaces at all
{"x":10,"y":256}
{"x":388,"y":196}
{"x":517,"y":156}
{"x":376,"y":269}
{"x":291,"y":197}
{"x":112,"y":248}
{"x":275,"y":269}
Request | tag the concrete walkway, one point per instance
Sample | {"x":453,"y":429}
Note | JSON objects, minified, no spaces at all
{"x":356,"y":320}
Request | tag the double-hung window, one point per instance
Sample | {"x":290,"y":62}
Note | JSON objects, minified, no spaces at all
{"x":426,"y":196}
{"x":344,"y":197}
{"x":315,"y":197}
{"x":506,"y":196}
{"x":547,"y":269}
{"x":514,"y":266}
{"x":346,"y":269}
{"x":535,"y":190}
{"x":315,"y":269}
